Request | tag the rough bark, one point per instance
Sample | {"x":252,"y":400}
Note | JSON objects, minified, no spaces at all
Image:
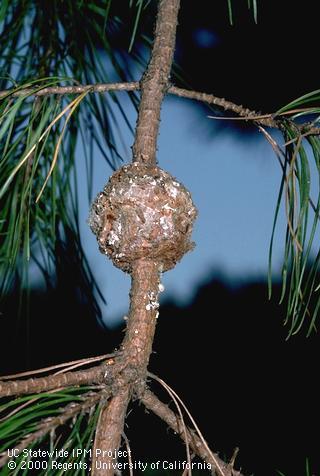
{"x":151,"y":402}
{"x":136,"y":349}
{"x":137,"y":343}
{"x":155,"y":82}
{"x":108,"y":434}
{"x":79,"y":89}
{"x":95,"y":375}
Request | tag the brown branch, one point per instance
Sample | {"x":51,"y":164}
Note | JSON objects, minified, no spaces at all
{"x":132,"y":367}
{"x":94,"y":375}
{"x":151,"y":402}
{"x":137,"y":344}
{"x":108,"y":433}
{"x":155,"y":82}
{"x":49,"y":424}
{"x":266,"y":120}
{"x":78,"y":89}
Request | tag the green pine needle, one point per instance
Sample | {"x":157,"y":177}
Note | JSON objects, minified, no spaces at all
{"x":300,"y":192}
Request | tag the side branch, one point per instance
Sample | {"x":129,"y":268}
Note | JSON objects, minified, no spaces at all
{"x":151,"y":402}
{"x":265,"y":120}
{"x":79,"y":89}
{"x":91,"y":376}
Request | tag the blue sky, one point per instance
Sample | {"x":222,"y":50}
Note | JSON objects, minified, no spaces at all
{"x":234,"y":184}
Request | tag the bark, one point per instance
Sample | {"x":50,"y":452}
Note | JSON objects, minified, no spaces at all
{"x":95,"y":375}
{"x":137,"y":344}
{"x":219,"y":467}
{"x":155,"y":82}
{"x":79,"y":89}
{"x":136,"y":349}
{"x":266,"y":120}
{"x":108,"y":434}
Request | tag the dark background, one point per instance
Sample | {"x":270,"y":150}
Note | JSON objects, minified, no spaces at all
{"x":225,"y":353}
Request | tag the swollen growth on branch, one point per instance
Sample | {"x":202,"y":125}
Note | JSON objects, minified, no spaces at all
{"x":143,"y":212}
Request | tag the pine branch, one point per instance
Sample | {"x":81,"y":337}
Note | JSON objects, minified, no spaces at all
{"x":94,"y":375}
{"x":151,"y":402}
{"x":108,"y":433}
{"x":155,"y":83}
{"x":77,"y":89}
{"x":265,"y":120}
{"x":137,"y":344}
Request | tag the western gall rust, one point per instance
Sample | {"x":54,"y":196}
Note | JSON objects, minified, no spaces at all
{"x":143,"y":212}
